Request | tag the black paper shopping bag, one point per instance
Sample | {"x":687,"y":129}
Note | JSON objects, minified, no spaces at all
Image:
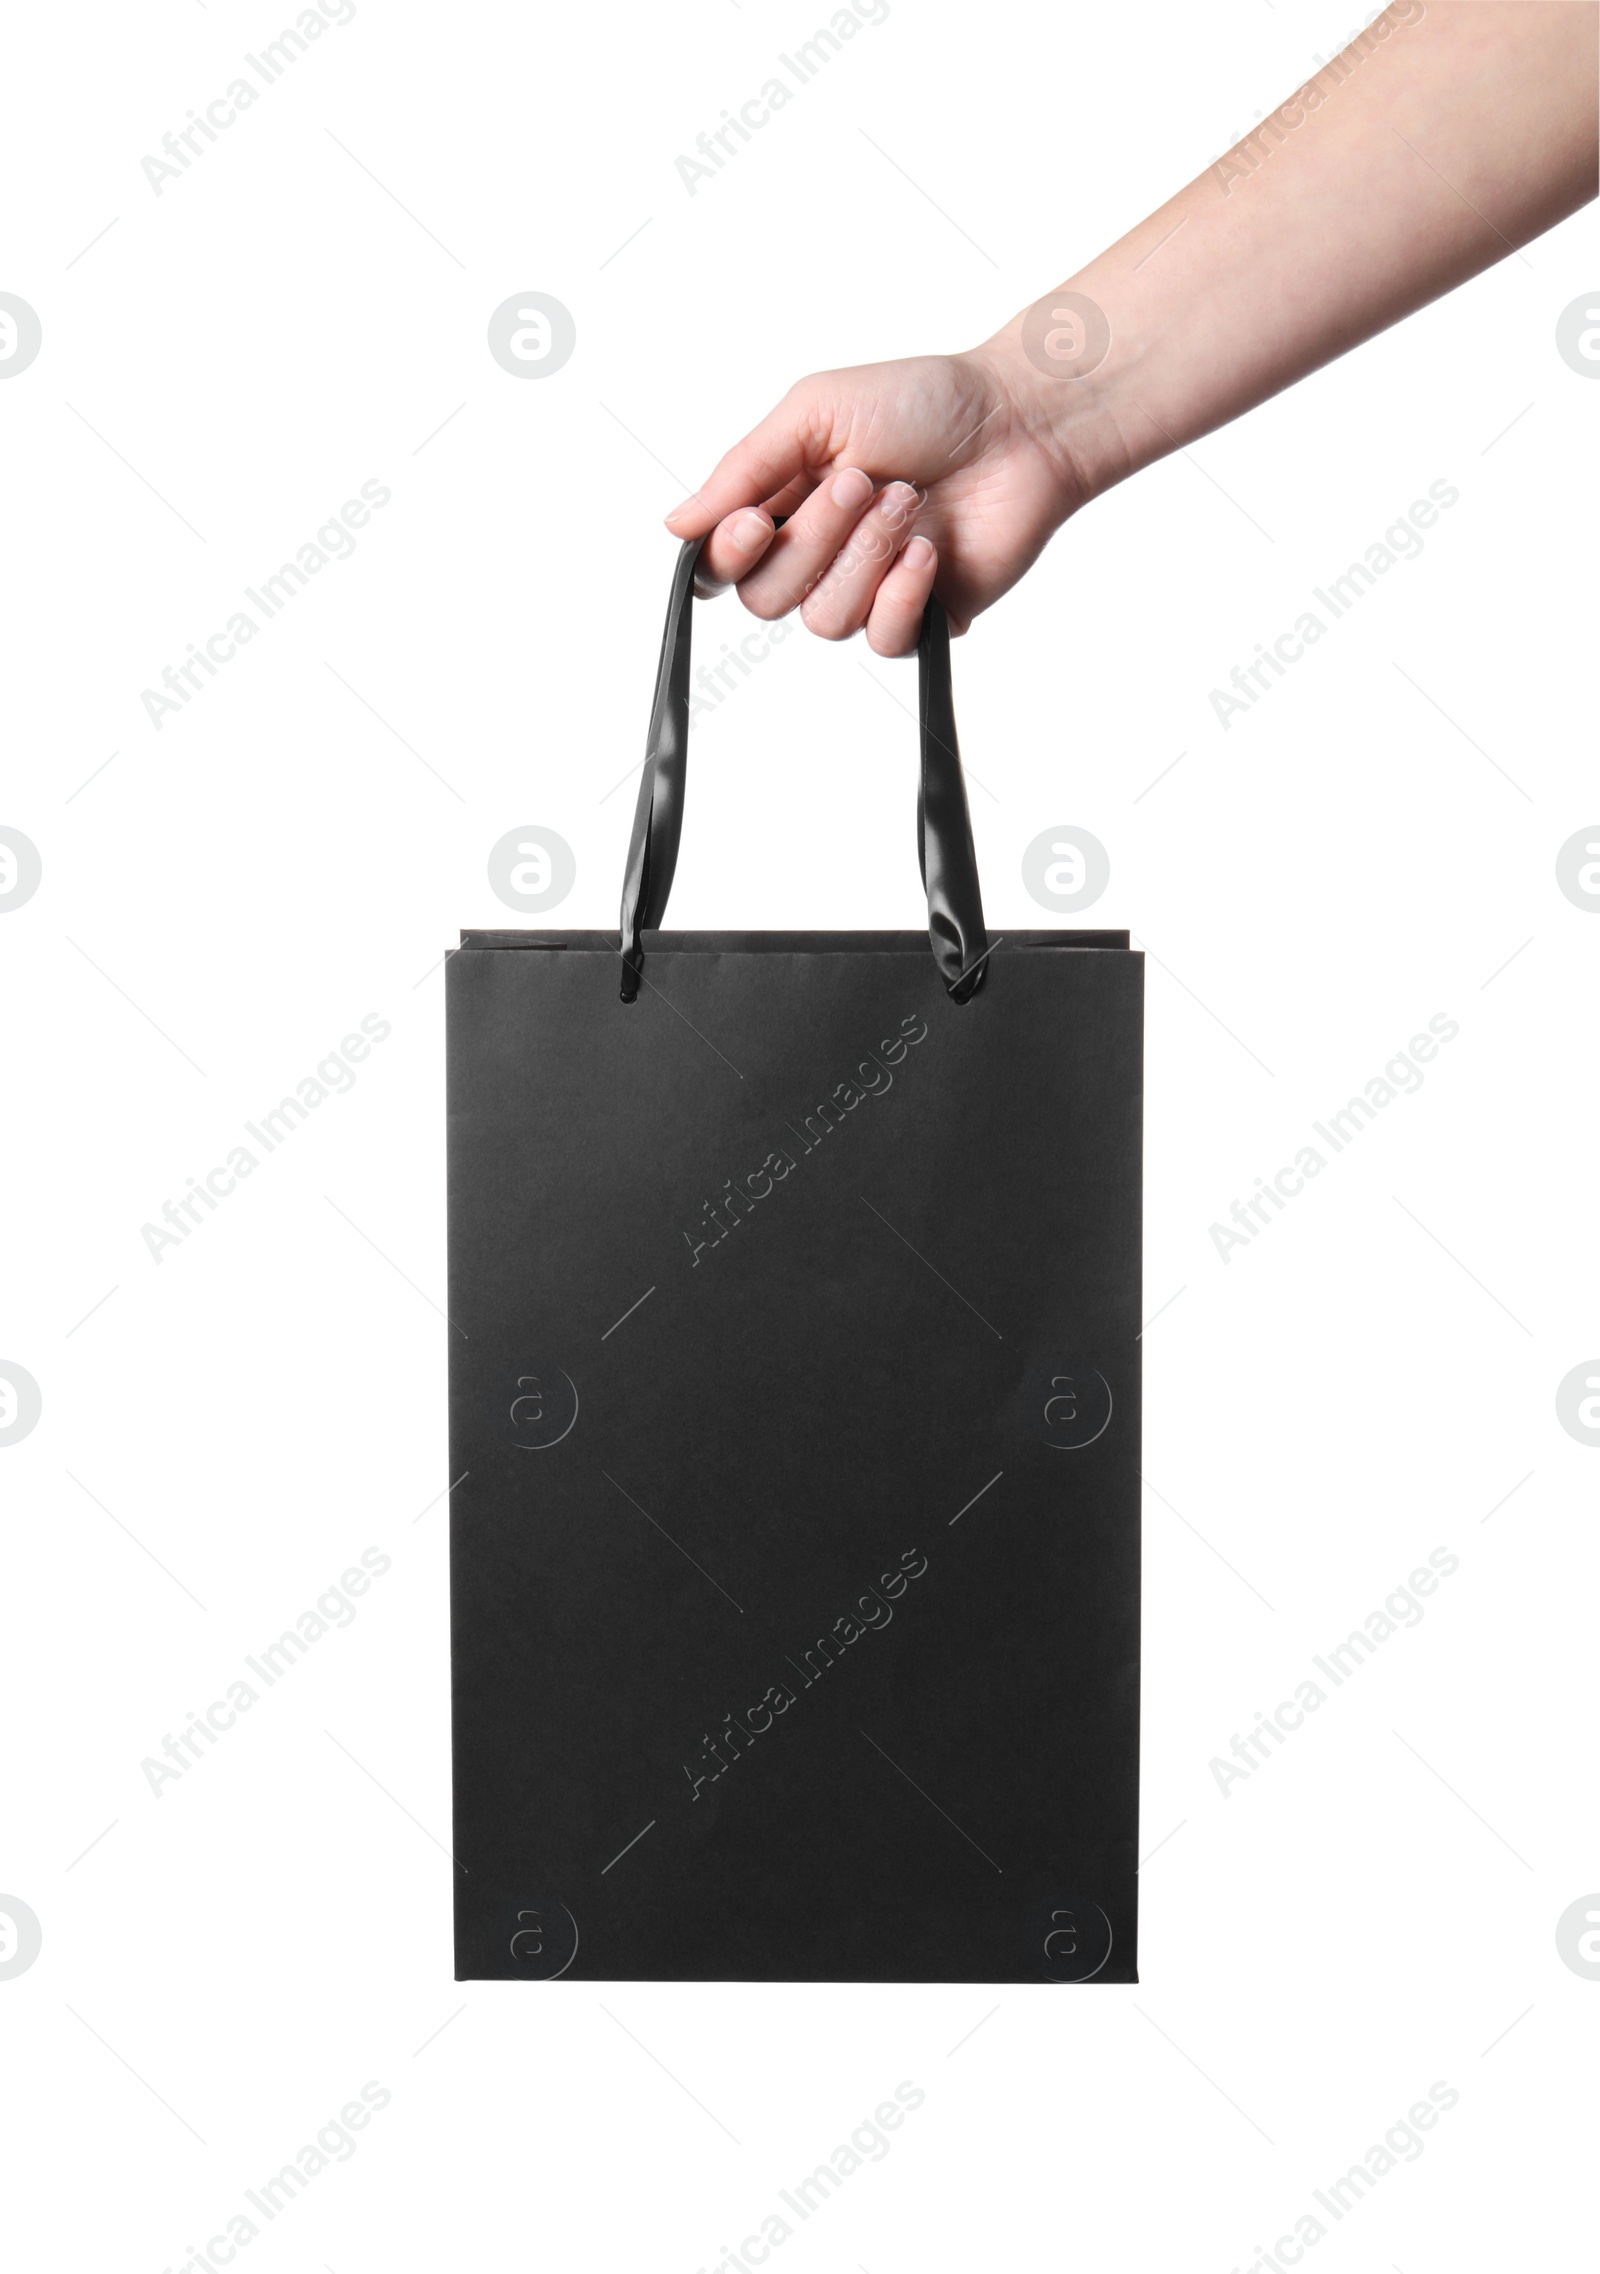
{"x":794,"y":1286}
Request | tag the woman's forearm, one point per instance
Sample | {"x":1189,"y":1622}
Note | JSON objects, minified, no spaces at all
{"x":1443,"y":139}
{"x":1448,"y":135}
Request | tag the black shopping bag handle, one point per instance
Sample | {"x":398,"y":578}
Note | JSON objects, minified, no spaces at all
{"x":944,"y":827}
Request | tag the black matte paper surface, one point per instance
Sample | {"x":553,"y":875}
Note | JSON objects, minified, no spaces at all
{"x":795,"y":1406}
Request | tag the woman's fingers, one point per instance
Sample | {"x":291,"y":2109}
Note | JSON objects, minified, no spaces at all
{"x":844,"y":558}
{"x":896,"y":619}
{"x":732,"y":550}
{"x":806,"y":544}
{"x":843,"y":599}
{"x":771,"y":457}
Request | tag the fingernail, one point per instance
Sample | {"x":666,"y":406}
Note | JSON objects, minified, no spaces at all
{"x":851,"y":488}
{"x":918,"y":553}
{"x":679,"y":511}
{"x":900,"y":502}
{"x":749,"y":531}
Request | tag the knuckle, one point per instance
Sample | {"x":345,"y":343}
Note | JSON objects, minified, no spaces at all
{"x":825,"y":626}
{"x":766,"y":602}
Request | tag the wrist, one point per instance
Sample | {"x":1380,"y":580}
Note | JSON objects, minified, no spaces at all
{"x":1081,"y":423}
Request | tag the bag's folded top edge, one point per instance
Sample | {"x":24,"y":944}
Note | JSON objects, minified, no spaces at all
{"x":779,"y":943}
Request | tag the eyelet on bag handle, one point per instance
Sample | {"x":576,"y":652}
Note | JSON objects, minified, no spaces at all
{"x":945,"y":853}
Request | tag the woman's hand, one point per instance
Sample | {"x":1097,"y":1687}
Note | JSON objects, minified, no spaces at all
{"x":1443,"y":138}
{"x":890,"y":474}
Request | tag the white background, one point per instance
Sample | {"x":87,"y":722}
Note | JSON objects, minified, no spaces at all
{"x":1373,"y":1910}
